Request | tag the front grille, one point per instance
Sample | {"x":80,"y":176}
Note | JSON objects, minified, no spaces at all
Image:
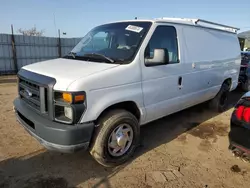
{"x":34,"y":95}
{"x":30,"y":93}
{"x":35,"y":90}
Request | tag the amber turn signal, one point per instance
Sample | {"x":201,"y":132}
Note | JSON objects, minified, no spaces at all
{"x":67,"y":97}
{"x":79,"y":98}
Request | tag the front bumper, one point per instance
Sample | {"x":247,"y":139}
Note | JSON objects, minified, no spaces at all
{"x":53,"y":135}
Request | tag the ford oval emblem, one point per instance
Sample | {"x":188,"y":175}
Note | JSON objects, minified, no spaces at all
{"x":28,"y":93}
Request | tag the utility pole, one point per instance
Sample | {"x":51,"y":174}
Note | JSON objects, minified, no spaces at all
{"x":59,"y":44}
{"x":14,"y":49}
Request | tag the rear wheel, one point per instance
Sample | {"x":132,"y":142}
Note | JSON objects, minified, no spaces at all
{"x":116,"y":138}
{"x":245,"y":86}
{"x":219,"y":102}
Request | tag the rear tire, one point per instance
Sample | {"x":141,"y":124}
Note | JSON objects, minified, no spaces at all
{"x":109,"y":126}
{"x":245,"y":86}
{"x":219,"y":102}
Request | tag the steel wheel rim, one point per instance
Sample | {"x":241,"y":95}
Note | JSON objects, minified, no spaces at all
{"x":120,"y":140}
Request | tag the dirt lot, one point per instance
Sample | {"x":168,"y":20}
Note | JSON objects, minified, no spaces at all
{"x":187,"y":149}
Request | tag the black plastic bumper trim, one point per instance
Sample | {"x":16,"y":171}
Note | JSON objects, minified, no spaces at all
{"x":239,"y":135}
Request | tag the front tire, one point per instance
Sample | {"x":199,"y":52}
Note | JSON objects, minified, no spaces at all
{"x":116,"y":138}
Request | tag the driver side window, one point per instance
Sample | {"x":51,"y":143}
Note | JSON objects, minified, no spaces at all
{"x":164,"y":37}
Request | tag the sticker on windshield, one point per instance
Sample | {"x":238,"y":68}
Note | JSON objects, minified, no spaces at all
{"x":134,"y":28}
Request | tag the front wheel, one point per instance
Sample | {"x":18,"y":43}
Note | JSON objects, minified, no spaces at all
{"x":116,"y":138}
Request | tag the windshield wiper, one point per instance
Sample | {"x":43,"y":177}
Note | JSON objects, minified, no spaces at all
{"x":96,"y":55}
{"x":70,"y":55}
{"x":73,"y":54}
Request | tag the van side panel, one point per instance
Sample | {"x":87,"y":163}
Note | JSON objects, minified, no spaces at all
{"x":211,"y":57}
{"x":207,"y":58}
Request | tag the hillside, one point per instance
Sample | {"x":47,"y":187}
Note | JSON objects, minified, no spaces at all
{"x":245,"y":34}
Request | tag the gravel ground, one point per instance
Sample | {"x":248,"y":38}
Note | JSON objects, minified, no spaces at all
{"x":186,"y":149}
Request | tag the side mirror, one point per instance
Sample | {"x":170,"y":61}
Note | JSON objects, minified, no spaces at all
{"x":160,"y":58}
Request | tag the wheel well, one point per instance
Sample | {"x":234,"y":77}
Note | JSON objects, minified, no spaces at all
{"x":130,"y":106}
{"x":228,"y":81}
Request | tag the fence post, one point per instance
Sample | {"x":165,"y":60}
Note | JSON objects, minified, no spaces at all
{"x":14,"y":49}
{"x":59,"y":44}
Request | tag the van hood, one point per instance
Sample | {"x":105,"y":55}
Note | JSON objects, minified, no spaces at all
{"x":66,"y":71}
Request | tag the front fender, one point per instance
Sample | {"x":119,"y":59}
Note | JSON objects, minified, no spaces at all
{"x":100,"y":99}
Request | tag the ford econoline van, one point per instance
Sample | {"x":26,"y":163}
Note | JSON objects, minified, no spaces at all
{"x":123,"y":75}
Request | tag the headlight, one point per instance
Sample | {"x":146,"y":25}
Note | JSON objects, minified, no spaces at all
{"x":69,"y":107}
{"x":68,"y":112}
{"x":63,"y":113}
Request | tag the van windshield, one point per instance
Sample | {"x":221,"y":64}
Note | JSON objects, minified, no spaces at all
{"x":111,"y":43}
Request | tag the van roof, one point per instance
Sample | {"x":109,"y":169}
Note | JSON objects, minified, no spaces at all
{"x":192,"y":22}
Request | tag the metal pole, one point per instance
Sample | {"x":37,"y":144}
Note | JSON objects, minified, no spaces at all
{"x":14,"y":49}
{"x":59,"y":44}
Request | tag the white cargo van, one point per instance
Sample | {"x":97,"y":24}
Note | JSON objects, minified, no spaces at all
{"x":122,"y":75}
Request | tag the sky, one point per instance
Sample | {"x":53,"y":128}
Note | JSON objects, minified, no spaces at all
{"x":77,"y":17}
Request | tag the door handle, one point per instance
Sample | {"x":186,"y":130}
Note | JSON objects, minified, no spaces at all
{"x":180,"y":82}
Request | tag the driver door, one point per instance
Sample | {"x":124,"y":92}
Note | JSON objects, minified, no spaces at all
{"x":161,"y":84}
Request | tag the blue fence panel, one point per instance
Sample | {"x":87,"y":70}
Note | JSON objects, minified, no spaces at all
{"x":31,"y":49}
